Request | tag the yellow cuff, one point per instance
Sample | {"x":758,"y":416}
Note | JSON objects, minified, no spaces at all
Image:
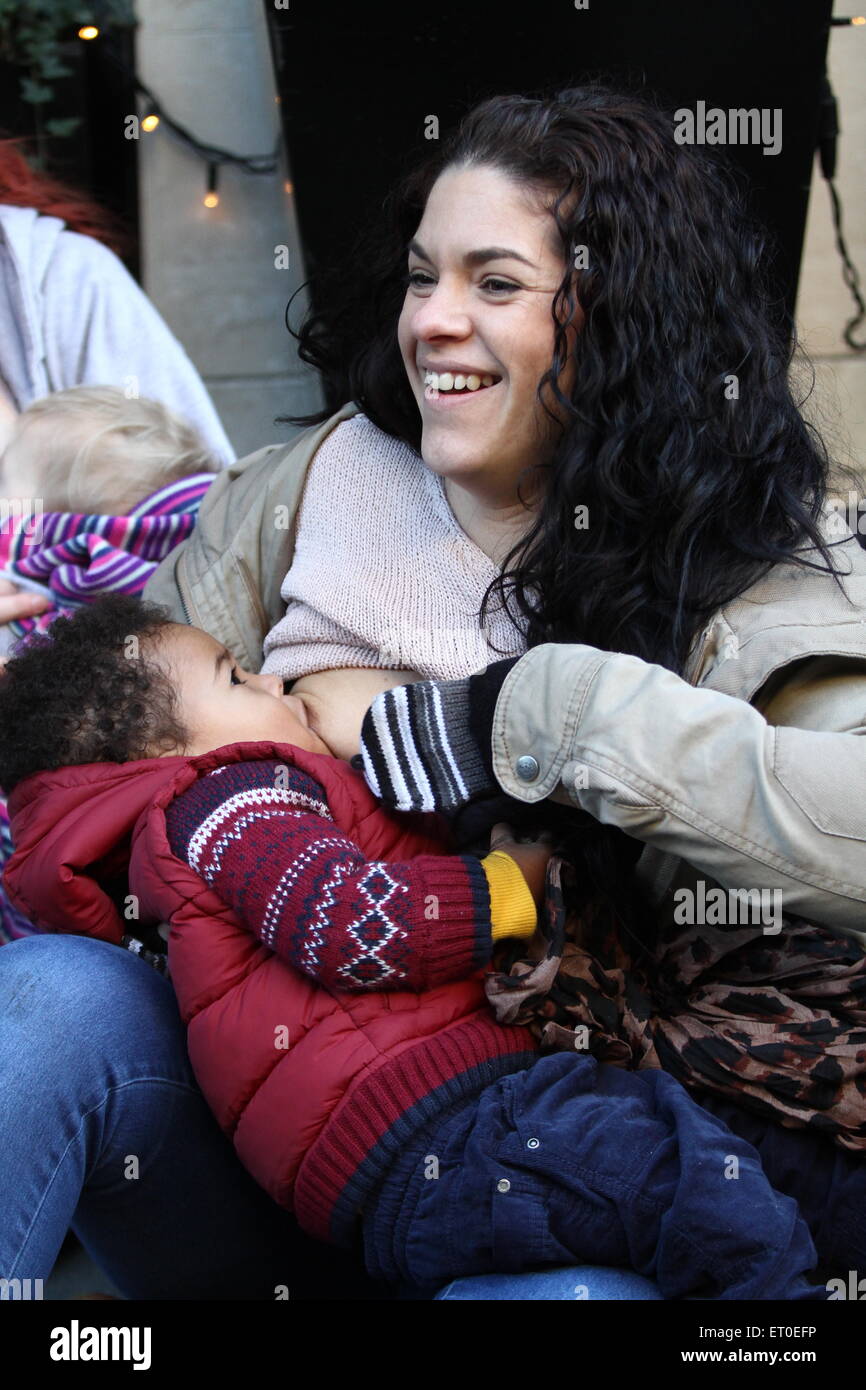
{"x":512,"y":906}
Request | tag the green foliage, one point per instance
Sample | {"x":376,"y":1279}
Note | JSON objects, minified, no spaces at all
{"x":32,"y":35}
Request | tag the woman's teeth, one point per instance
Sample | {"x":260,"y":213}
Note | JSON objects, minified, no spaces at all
{"x":448,"y":381}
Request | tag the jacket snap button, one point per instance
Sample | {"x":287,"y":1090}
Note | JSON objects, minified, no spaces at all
{"x":503,"y":1185}
{"x":533,"y":1144}
{"x":526,"y":768}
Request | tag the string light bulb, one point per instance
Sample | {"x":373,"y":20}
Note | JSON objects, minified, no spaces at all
{"x":211,"y":198}
{"x":150,"y":122}
{"x":88,"y":31}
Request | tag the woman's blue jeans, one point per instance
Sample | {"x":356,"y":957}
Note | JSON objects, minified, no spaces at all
{"x":104,"y":1130}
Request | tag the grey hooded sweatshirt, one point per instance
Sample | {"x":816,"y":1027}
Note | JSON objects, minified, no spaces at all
{"x":72,"y":315}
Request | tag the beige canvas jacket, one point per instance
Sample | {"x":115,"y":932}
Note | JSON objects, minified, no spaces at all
{"x":750,"y":773}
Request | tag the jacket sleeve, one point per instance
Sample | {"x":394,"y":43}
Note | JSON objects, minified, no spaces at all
{"x":120,"y":337}
{"x":273,"y":853}
{"x":696,"y":773}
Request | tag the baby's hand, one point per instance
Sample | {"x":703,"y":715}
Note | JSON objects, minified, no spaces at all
{"x":531,"y":854}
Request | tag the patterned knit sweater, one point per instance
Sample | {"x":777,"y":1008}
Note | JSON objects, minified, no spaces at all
{"x":382,"y":574}
{"x":263,"y":837}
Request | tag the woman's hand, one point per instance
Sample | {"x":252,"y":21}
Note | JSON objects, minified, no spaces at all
{"x":531,"y":855}
{"x":16,"y":603}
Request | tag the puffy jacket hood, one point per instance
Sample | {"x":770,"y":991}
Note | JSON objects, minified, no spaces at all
{"x":72,"y":829}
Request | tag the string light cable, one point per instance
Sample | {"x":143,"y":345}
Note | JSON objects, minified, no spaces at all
{"x":828,"y":133}
{"x":213,"y":156}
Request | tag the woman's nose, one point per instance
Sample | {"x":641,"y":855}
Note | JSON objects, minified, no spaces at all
{"x":442,"y":314}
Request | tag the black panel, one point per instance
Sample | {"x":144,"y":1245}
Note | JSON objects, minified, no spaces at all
{"x":357,"y":82}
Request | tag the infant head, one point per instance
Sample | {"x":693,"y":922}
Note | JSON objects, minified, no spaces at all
{"x":119,"y":681}
{"x":92,"y":449}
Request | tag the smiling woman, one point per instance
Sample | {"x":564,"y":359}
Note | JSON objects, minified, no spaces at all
{"x":495,"y":301}
{"x":408,"y":518}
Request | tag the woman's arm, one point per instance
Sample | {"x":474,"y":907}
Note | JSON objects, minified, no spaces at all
{"x":268,"y":847}
{"x":691,"y":772}
{"x":696,"y":773}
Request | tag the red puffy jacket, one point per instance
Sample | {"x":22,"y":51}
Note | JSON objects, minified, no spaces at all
{"x":317,"y":1121}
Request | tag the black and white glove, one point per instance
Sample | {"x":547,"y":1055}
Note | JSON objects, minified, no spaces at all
{"x":427,"y":746}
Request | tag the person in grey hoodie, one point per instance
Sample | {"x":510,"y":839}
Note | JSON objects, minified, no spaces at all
{"x":72,"y":315}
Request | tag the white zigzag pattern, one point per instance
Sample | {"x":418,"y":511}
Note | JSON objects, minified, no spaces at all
{"x":277,"y":900}
{"x":208,"y":844}
{"x":267,"y":801}
{"x":320,"y":923}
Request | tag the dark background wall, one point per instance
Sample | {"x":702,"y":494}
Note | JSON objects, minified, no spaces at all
{"x":356,"y":86}
{"x":99,"y":92}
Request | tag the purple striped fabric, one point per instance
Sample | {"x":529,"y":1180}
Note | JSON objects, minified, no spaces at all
{"x":78,"y":557}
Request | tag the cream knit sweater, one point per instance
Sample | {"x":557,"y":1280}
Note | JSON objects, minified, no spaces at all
{"x":382,"y":574}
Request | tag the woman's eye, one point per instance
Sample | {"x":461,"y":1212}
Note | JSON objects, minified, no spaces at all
{"x":419,"y":279}
{"x":236,"y":680}
{"x":496,"y":286}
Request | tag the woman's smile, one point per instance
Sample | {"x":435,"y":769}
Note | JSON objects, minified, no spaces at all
{"x":437,"y":396}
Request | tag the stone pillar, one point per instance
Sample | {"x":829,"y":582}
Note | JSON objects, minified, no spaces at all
{"x":824,"y":303}
{"x":217,"y":275}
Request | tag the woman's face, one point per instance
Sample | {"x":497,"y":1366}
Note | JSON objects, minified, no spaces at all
{"x":484,"y":266}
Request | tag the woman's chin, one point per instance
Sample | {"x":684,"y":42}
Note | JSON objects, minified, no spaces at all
{"x":455,"y":458}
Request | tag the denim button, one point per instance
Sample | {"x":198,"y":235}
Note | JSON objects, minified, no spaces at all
{"x":503,"y":1185}
{"x":527,"y":768}
{"x":533,"y":1144}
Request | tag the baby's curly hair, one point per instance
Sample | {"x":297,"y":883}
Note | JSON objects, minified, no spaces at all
{"x":88,"y":691}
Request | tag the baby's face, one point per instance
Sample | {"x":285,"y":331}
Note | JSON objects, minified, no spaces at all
{"x":221,"y":703}
{"x":21,"y":472}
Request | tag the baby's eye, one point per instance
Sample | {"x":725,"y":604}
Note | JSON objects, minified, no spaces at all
{"x":236,"y":680}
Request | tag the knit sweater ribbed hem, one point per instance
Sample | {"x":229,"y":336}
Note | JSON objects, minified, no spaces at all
{"x":352,"y":1155}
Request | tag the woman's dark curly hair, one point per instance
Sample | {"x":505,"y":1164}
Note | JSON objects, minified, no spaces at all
{"x":692,"y":492}
{"x":695,"y":483}
{"x":88,"y":691}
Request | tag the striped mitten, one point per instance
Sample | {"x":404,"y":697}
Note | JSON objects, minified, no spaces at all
{"x":426,"y":747}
